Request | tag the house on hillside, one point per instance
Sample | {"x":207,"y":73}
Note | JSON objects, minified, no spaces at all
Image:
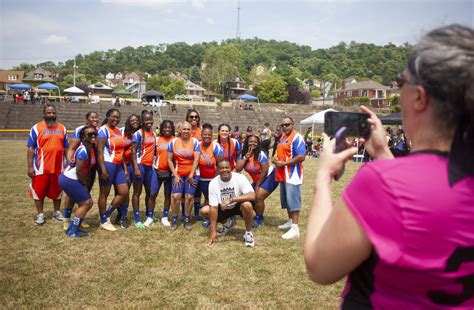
{"x":134,"y":83}
{"x":377,"y":93}
{"x":194,"y":91}
{"x":114,"y":79}
{"x":39,"y":76}
{"x":10,"y":77}
{"x":234,"y":88}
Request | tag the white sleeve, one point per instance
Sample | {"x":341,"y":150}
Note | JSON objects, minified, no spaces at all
{"x":213,"y":194}
{"x":244,"y":184}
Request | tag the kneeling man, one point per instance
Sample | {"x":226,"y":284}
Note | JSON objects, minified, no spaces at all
{"x":230,"y":194}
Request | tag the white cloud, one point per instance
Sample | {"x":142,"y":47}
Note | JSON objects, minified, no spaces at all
{"x":197,"y":3}
{"x":54,"y":39}
{"x":194,"y":3}
{"x":210,"y":21}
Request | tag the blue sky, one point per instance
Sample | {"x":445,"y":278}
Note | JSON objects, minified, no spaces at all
{"x":34,"y":31}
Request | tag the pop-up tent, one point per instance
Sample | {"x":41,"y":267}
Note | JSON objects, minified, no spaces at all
{"x":20,"y":86}
{"x":49,"y":86}
{"x":74,"y":90}
{"x":153,"y":95}
{"x":247,"y":97}
{"x":317,"y":118}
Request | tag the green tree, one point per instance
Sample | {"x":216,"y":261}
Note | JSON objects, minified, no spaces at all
{"x":221,"y":65}
{"x":166,"y":85}
{"x":272,"y":90}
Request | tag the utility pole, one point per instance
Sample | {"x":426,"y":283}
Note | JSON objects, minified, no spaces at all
{"x":237,"y":34}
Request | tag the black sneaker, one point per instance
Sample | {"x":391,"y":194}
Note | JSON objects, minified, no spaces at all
{"x":174,"y":225}
{"x":125,"y":222}
{"x":118,"y":220}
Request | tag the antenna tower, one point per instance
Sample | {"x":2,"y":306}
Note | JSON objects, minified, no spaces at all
{"x":237,"y":34}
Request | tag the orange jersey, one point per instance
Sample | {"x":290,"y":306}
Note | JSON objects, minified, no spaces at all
{"x":253,"y":166}
{"x":197,"y":133}
{"x":289,"y":147}
{"x":207,"y":160}
{"x":183,"y":155}
{"x":146,"y":141}
{"x":114,"y":144}
{"x":48,"y":143}
{"x":231,"y":154}
{"x":127,"y":153}
{"x":161,"y":162}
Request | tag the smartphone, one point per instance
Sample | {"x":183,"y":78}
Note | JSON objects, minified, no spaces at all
{"x":356,"y":123}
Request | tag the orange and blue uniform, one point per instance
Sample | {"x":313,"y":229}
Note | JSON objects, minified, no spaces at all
{"x":127,"y":148}
{"x":49,"y":143}
{"x":254,"y":166}
{"x":146,"y":142}
{"x":207,"y":160}
{"x":231,"y":150}
{"x":68,"y":179}
{"x":161,"y":165}
{"x":183,"y":155}
{"x":113,"y":155}
{"x":197,"y":133}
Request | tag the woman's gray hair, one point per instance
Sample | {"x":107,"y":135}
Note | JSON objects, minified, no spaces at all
{"x":443,"y":63}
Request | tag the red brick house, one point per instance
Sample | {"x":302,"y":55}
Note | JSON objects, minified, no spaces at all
{"x":377,"y":93}
{"x":10,"y":77}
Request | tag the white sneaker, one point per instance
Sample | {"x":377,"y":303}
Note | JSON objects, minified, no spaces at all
{"x":165,"y":221}
{"x":248,"y":239}
{"x":39,"y":219}
{"x":58,"y":216}
{"x":286,"y":225}
{"x":294,"y":232}
{"x":228,"y":225}
{"x":108,"y":226}
{"x":148,"y":222}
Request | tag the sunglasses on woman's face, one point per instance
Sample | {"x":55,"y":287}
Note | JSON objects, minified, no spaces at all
{"x":193,"y":116}
{"x":91,"y":134}
{"x":285,"y":125}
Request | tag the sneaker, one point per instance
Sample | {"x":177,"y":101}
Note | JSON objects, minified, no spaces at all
{"x":117,"y":220}
{"x":85,"y":225}
{"x":199,"y":218}
{"x":40,"y":219}
{"x":248,"y":239}
{"x":139,"y":225}
{"x":124,"y":222}
{"x":206,"y":223}
{"x":228,"y":225}
{"x":257,"y":222}
{"x":66,"y":223}
{"x":294,"y":232}
{"x":165,"y":221}
{"x":108,"y":226}
{"x":155,"y":219}
{"x":174,"y":226}
{"x":149,"y":221}
{"x":286,"y":225}
{"x":78,"y":234}
{"x":58,"y":216}
{"x":188,"y":225}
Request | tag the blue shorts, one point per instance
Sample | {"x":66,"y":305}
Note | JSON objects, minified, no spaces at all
{"x":161,"y":179}
{"x":290,"y":196}
{"x":269,"y":184}
{"x":184,"y":187}
{"x":74,"y":189}
{"x":203,"y":187}
{"x":148,"y":175}
{"x":116,"y":175}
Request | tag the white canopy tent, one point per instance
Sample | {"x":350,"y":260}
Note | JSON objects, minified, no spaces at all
{"x":317,"y":118}
{"x":74,"y":90}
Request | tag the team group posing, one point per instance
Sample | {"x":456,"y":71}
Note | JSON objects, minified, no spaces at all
{"x":185,"y":161}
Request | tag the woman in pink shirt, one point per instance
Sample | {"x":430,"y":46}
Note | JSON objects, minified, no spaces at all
{"x":403,"y":229}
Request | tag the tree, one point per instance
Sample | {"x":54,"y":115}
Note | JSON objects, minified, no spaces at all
{"x":272,"y":90}
{"x":221,"y":65}
{"x":195,"y":75}
{"x":166,"y":85}
{"x":296,"y":95}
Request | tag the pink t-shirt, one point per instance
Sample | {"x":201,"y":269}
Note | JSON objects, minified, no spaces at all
{"x":422,"y":231}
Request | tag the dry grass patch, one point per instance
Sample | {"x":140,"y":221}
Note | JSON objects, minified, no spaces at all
{"x":153,"y":268}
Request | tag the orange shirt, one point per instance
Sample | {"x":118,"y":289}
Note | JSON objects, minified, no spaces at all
{"x":114,"y":144}
{"x":48,"y":143}
{"x":183,"y":155}
{"x":207,"y":160}
{"x":290,"y":146}
{"x":231,"y":155}
{"x":146,"y":141}
{"x":161,"y":162}
{"x":127,"y":153}
{"x":197,"y":133}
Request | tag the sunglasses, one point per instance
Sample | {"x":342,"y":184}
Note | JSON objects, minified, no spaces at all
{"x":194,"y":116}
{"x":402,"y":80}
{"x":91,"y":134}
{"x":285,"y":125}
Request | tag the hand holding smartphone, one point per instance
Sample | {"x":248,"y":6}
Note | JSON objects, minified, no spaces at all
{"x":341,"y":145}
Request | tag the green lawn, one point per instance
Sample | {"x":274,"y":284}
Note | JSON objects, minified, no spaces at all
{"x":153,"y":268}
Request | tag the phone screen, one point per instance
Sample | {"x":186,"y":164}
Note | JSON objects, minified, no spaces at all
{"x":356,"y":123}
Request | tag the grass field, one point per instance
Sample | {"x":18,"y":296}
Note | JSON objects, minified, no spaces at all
{"x":153,"y":268}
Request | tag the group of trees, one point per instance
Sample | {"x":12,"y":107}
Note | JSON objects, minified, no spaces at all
{"x":275,"y":69}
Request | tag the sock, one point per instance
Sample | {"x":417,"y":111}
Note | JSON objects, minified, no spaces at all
{"x":110,"y":210}
{"x":124,"y":211}
{"x":136,"y":216}
{"x":183,"y":206}
{"x":103,"y":217}
{"x":74,"y":226}
{"x":149,"y":213}
{"x":67,"y":213}
{"x":197,"y":206}
{"x":186,"y":219}
{"x":175,"y":219}
{"x":165,"y":212}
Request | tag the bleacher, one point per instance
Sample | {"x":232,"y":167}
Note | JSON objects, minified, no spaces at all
{"x":20,"y":116}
